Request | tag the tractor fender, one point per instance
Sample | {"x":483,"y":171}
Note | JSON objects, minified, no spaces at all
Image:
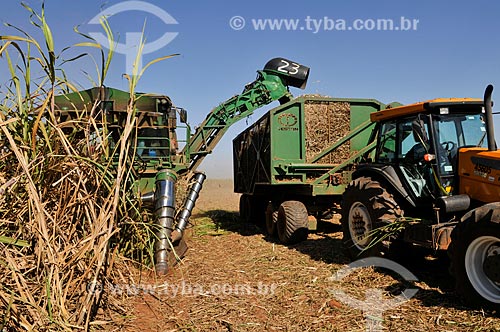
{"x":385,"y":173}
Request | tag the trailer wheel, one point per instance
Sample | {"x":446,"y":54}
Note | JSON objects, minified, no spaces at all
{"x":366,"y":205}
{"x":245,"y":208}
{"x":271,"y":219}
{"x":475,"y":256}
{"x":252,"y":209}
{"x":292,"y":222}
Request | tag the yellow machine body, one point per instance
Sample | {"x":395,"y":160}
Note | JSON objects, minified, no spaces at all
{"x":479,"y":174}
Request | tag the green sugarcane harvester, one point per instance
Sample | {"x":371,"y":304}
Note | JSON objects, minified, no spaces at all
{"x":157,"y":161}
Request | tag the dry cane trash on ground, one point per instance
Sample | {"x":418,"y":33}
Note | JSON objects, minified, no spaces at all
{"x":235,"y":278}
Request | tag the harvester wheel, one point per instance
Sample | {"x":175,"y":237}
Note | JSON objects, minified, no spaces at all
{"x":475,"y":256}
{"x":271,"y":219}
{"x":292,"y":222}
{"x":366,"y":205}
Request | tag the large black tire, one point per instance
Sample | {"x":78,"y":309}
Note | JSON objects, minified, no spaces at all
{"x":475,"y":256}
{"x":245,"y":208}
{"x":366,"y":205}
{"x":271,"y":219}
{"x":252,"y":209}
{"x":292,"y":222}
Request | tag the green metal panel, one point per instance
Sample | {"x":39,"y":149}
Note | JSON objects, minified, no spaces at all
{"x":287,"y":141}
{"x":287,"y":133}
{"x":85,"y":99}
{"x":360,"y":112}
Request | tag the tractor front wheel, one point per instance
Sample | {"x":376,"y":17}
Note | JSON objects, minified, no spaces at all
{"x":475,"y":256}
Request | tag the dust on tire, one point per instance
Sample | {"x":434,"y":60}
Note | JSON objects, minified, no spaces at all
{"x":381,"y":207}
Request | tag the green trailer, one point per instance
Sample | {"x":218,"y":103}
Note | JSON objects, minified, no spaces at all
{"x":294,"y":163}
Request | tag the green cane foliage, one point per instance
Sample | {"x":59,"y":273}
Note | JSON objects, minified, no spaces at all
{"x":105,"y":57}
{"x":49,"y":56}
{"x":138,"y":72}
{"x":389,"y":231}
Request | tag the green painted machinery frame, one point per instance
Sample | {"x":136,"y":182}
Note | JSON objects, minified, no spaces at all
{"x":270,"y":85}
{"x":155,"y":158}
{"x":271,"y":153}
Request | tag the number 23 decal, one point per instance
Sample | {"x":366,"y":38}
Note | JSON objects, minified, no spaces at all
{"x":289,"y":68}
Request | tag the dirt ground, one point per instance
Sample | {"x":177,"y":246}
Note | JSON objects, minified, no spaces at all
{"x":235,"y":278}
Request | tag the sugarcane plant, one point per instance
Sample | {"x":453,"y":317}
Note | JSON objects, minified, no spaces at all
{"x":65,"y":195}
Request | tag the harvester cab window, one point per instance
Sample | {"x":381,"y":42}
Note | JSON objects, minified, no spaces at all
{"x":153,"y":142}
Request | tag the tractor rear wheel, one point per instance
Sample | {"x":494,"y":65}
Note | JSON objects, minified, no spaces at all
{"x":366,"y":205}
{"x":475,"y":256}
{"x":292,"y":222}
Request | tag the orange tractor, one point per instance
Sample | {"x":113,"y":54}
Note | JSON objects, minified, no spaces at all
{"x":435,"y":170}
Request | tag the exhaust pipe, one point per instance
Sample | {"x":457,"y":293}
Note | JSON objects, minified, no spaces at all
{"x":189,"y":203}
{"x":489,"y":118}
{"x":164,"y":198}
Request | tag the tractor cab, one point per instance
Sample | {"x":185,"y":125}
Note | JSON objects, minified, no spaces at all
{"x":422,"y":141}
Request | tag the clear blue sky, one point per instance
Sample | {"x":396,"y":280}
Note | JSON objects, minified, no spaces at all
{"x":455,"y":51}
